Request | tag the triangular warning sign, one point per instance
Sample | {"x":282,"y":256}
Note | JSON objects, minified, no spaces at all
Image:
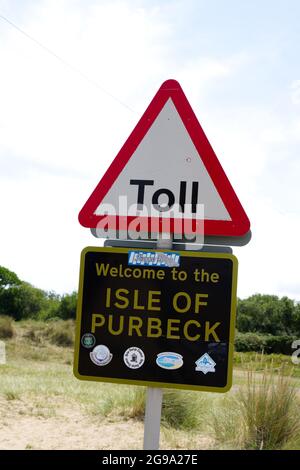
{"x":167,"y":162}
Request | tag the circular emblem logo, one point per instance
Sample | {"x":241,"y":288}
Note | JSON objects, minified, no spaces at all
{"x":88,"y":340}
{"x":169,"y":360}
{"x":101,"y":355}
{"x":134,"y":358}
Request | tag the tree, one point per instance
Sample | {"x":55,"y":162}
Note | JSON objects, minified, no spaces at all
{"x":267,"y":314}
{"x":296,"y":320}
{"x":287,"y":312}
{"x":67,"y":307}
{"x":22,"y":301}
{"x":8,"y":278}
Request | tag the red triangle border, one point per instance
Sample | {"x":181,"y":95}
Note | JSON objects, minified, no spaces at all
{"x":239,"y":224}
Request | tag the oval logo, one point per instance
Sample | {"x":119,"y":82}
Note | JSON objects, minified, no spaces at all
{"x":169,"y":360}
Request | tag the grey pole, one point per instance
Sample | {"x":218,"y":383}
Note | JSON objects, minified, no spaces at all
{"x":152,"y":418}
{"x":155,"y":394}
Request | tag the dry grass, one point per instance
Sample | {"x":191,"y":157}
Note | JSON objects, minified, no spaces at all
{"x":6,"y":327}
{"x":270,"y":410}
{"x":265,"y":410}
{"x":61,"y":332}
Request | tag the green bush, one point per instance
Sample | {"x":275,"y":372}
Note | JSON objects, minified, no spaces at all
{"x":279,"y":344}
{"x":67,"y":306}
{"x":263,"y":343}
{"x":249,"y":342}
{"x":6,"y":327}
{"x":50,"y":308}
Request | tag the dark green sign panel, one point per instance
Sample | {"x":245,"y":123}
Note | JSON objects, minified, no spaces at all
{"x":157,"y":318}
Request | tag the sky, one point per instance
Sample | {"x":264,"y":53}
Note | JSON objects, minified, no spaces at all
{"x":73,"y":87}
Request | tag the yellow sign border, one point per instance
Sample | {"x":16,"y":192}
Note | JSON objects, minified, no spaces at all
{"x":144,"y":382}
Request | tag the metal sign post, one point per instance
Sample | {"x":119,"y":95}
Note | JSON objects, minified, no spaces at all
{"x":154,"y":394}
{"x":152,"y":418}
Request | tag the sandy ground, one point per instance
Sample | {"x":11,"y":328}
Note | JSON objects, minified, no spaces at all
{"x":70,"y":428}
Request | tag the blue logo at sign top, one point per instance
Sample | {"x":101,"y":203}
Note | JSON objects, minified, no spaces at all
{"x":152,"y":258}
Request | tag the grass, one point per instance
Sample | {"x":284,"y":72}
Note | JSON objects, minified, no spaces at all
{"x":61,"y":333}
{"x":224,"y":422}
{"x":178,"y":409}
{"x":269,"y":409}
{"x":11,"y":395}
{"x":263,"y":404}
{"x":6,"y":327}
{"x":259,"y":361}
{"x":265,"y":410}
{"x":123,"y":401}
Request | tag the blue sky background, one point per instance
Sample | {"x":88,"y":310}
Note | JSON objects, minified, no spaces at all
{"x":238,"y":63}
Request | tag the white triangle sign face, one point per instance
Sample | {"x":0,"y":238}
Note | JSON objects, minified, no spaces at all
{"x":167,"y":147}
{"x":167,"y":170}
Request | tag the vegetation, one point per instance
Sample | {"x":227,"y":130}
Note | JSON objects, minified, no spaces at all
{"x":263,"y":405}
{"x":124,"y":402}
{"x":263,"y":343}
{"x":8,"y":278}
{"x":265,"y":410}
{"x":61,"y":332}
{"x":265,"y":323}
{"x":269,"y":410}
{"x":259,"y":361}
{"x":38,"y":329}
{"x":268,"y":315}
{"x":178,"y":410}
{"x":67,"y":306}
{"x":38,"y":378}
{"x":6,"y":327}
{"x":20,"y":300}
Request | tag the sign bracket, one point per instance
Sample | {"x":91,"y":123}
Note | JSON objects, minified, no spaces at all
{"x":141,"y":244}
